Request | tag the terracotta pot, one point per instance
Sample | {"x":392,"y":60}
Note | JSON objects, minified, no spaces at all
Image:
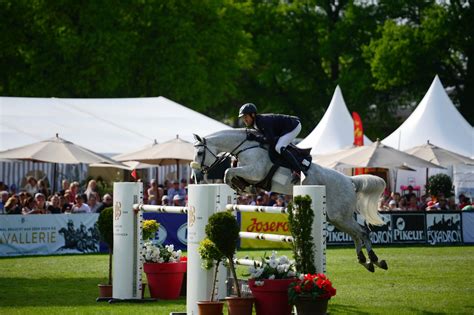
{"x":271,"y":297}
{"x":105,"y":290}
{"x":165,"y":280}
{"x":239,"y":305}
{"x":210,"y":308}
{"x":309,"y":306}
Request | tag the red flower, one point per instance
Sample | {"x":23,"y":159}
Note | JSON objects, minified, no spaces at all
{"x":183,"y":258}
{"x":297,"y":289}
{"x":320,"y":283}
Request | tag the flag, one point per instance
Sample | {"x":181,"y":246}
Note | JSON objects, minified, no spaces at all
{"x":134,"y":174}
{"x":358,"y":137}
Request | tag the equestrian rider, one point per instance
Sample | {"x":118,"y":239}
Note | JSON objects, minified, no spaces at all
{"x":277,"y":130}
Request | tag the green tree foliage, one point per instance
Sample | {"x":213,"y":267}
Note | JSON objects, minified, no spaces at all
{"x":214,"y":55}
{"x":440,"y":184}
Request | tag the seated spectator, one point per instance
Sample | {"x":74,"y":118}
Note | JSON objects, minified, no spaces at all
{"x":430,"y":206}
{"x":403,"y":204}
{"x":260,"y":201}
{"x":54,"y":206}
{"x":463,"y":201}
{"x":3,"y":186}
{"x":73,"y":191}
{"x":165,"y":201}
{"x":80,"y":206}
{"x":92,"y":202}
{"x":178,"y":201}
{"x":155,"y":193}
{"x":409,"y":193}
{"x":29,"y":206}
{"x":91,"y":189}
{"x":392,"y":205}
{"x":106,"y":202}
{"x":3,"y":200}
{"x":184,"y":185}
{"x":41,"y":203}
{"x":395,"y":196}
{"x":442,"y":204}
{"x":64,"y":203}
{"x":12,"y":206}
{"x":176,"y":190}
{"x":412,"y":203}
{"x":31,"y":186}
{"x":43,"y":188}
{"x":468,"y":207}
{"x":64,"y":186}
{"x":273,"y":199}
{"x":280,"y":202}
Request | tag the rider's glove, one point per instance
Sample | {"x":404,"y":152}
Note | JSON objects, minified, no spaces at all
{"x":255,"y":137}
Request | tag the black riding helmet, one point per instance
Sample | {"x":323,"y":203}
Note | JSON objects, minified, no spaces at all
{"x":248,"y":108}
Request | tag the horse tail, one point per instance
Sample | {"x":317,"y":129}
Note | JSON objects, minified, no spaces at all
{"x":369,"y":188}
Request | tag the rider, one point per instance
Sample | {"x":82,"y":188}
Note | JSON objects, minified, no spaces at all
{"x":277,"y":130}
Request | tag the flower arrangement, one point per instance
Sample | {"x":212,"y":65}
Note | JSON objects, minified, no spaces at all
{"x":314,"y":286}
{"x":149,"y":229}
{"x":273,"y":267}
{"x":160,"y":254}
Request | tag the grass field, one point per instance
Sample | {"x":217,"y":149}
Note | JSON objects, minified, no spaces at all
{"x":420,"y":280}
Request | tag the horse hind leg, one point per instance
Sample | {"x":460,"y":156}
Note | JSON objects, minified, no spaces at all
{"x":370,"y":252}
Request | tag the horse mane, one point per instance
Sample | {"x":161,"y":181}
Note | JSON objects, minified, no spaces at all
{"x":227,"y":133}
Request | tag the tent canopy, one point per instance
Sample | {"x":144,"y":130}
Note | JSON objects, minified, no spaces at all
{"x":335,"y":131}
{"x":107,"y":126}
{"x":436,"y":120}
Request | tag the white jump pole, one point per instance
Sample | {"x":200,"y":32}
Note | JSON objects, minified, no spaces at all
{"x":319,"y":230}
{"x":203,"y":201}
{"x":127,"y":264}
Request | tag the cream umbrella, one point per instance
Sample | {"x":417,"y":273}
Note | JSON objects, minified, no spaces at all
{"x":176,"y":151}
{"x":439,"y":156}
{"x":55,"y":150}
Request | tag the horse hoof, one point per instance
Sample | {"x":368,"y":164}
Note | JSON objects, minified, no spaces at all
{"x":383,"y":264}
{"x":369,"y":266}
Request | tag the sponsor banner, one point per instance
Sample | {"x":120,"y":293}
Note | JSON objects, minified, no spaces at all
{"x":468,"y":227}
{"x":443,"y":228}
{"x":408,"y":228}
{"x":337,"y":237}
{"x":48,"y":234}
{"x":379,"y":234}
{"x":173,"y":229}
{"x":267,"y":223}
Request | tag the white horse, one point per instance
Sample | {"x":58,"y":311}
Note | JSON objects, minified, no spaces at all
{"x":345,"y":195}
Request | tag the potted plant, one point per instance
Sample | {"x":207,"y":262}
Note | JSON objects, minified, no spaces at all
{"x":439,"y":184}
{"x":223,"y":230}
{"x":164,"y":268}
{"x":211,"y":258}
{"x":150,"y":227}
{"x":105,"y":225}
{"x":269,"y":282}
{"x":310,"y":293}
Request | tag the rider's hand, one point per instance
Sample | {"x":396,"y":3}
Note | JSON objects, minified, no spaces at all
{"x":251,"y":137}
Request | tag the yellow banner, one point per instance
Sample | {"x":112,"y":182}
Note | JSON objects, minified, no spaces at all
{"x":264,"y":223}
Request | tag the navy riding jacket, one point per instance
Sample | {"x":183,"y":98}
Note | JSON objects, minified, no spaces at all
{"x":273,"y":126}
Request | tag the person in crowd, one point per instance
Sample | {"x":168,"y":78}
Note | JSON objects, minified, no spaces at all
{"x":178,"y":201}
{"x":73,"y":191}
{"x":31,"y":186}
{"x":3,"y":186}
{"x":412,"y":204}
{"x":92,"y":202}
{"x":431,"y":206}
{"x":176,"y":190}
{"x":54,"y":205}
{"x":442,"y":204}
{"x":165,"y":201}
{"x":463,"y":201}
{"x":395,"y":196}
{"x":409,"y":193}
{"x":91,"y":189}
{"x":392,"y":205}
{"x":64,"y":186}
{"x":41,"y":203}
{"x":29,"y":206}
{"x":166,"y":187}
{"x":43,"y":188}
{"x":4,"y":195}
{"x":80,"y":206}
{"x":22,"y":196}
{"x":273,"y":199}
{"x":468,"y":206}
{"x":106,"y":202}
{"x":184,"y":185}
{"x":260,"y":201}
{"x":64,"y":204}
{"x":280,"y":202}
{"x":403,"y":204}
{"x":154,"y":192}
{"x":12,"y":206}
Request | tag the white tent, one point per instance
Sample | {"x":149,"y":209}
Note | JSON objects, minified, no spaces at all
{"x":102,"y":125}
{"x":437,"y":120}
{"x":335,"y":131}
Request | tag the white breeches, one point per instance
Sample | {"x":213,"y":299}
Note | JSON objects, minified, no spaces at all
{"x":287,"y":138}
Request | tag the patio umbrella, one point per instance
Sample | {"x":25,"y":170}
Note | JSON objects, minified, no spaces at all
{"x":175,"y":151}
{"x":55,"y":150}
{"x":377,"y":155}
{"x":439,"y":156}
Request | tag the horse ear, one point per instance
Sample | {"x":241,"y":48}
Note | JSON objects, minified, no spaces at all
{"x":197,"y":138}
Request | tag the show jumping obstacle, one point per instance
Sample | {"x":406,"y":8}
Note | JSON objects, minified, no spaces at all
{"x":203,"y":201}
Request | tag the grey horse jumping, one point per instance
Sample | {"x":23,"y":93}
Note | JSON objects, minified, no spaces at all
{"x":345,"y":195}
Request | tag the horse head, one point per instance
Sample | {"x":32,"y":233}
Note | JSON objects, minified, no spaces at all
{"x":205,"y":155}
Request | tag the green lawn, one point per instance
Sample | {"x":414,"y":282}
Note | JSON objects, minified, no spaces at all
{"x":420,"y":280}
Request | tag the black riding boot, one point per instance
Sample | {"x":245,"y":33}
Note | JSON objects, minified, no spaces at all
{"x":294,"y":165}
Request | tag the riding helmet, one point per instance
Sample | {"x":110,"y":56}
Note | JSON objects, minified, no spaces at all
{"x":248,"y":108}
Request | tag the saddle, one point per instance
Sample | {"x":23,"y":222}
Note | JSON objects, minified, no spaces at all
{"x":303,"y":156}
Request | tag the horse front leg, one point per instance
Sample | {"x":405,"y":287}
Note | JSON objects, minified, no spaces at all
{"x":233,"y":177}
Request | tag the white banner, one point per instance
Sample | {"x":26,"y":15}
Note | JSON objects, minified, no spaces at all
{"x":48,"y":234}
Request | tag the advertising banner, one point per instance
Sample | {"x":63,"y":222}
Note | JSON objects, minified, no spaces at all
{"x":337,"y":237}
{"x":48,"y":234}
{"x":468,"y":227}
{"x":173,"y":229}
{"x":408,"y":228}
{"x":267,"y":223}
{"x":443,"y":228}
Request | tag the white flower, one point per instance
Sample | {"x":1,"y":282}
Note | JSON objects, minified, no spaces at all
{"x":301,"y":276}
{"x":291,"y":273}
{"x":284,"y":260}
{"x":259,"y":283}
{"x":271,"y":277}
{"x":273,"y":263}
{"x":170,"y":248}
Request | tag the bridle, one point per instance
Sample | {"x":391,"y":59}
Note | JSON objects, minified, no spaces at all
{"x":221,"y":158}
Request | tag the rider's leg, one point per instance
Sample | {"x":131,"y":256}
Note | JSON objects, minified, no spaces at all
{"x":286,"y":139}
{"x":281,"y":147}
